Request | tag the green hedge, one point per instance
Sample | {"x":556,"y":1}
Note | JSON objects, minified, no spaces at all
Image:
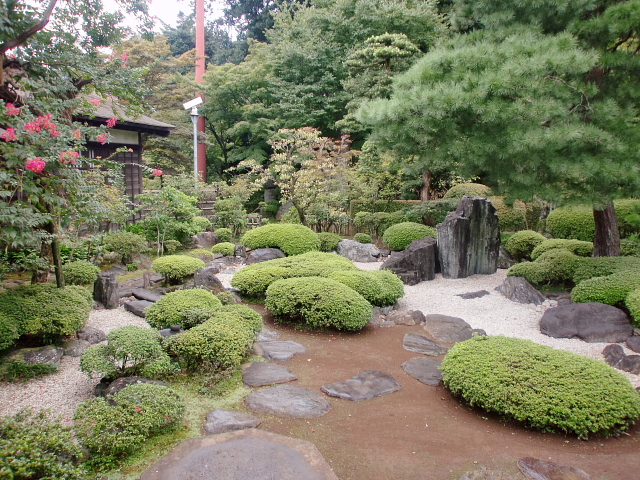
{"x":170,"y":309}
{"x":592,"y":267}
{"x":247,"y":315}
{"x":632,"y":302}
{"x":9,"y":330}
{"x":469,"y":190}
{"x":80,"y":272}
{"x":318,"y":302}
{"x":380,"y":288}
{"x":177,"y":267}
{"x":225,"y":248}
{"x":362,"y":238}
{"x":292,"y":239}
{"x":612,"y":289}
{"x":555,"y":266}
{"x":399,"y":236}
{"x":629,"y":247}
{"x":522,"y":243}
{"x":254,"y":282}
{"x":548,"y":389}
{"x":328,"y":241}
{"x":578,"y":247}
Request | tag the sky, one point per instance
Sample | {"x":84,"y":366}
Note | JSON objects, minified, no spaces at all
{"x":167,"y":10}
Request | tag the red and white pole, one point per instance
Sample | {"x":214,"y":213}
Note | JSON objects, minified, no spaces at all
{"x":200,"y":69}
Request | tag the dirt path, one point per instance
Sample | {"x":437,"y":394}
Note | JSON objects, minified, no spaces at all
{"x":422,"y":432}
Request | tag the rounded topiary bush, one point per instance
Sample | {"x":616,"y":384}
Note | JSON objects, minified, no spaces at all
{"x":202,"y":253}
{"x":318,"y":302}
{"x":469,"y":190}
{"x":381,"y":288}
{"x":328,"y":241}
{"x":362,"y":237}
{"x":400,"y":235}
{"x":591,"y":267}
{"x":632,"y":302}
{"x":572,"y":222}
{"x":170,"y":309}
{"x":292,"y":239}
{"x":578,"y":247}
{"x":512,"y":217}
{"x":126,"y":244}
{"x":255,"y":281}
{"x":224,"y":235}
{"x":225,"y":248}
{"x":80,"y":272}
{"x":522,"y":243}
{"x":548,"y":389}
{"x":555,"y":266}
{"x":200,"y":224}
{"x":177,"y":267}
{"x":612,"y":289}
{"x":247,"y":315}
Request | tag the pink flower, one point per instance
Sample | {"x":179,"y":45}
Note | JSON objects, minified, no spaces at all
{"x":12,"y":110}
{"x":69,"y":156}
{"x":138,"y":408}
{"x":36,"y":165}
{"x":103,"y":138}
{"x":43,"y":121}
{"x":124,"y":57}
{"x":77,"y":134}
{"x":53,"y":130}
{"x":96,"y":101}
{"x":156,"y":172}
{"x":9,"y":135}
{"x":112,"y":122}
{"x":32,"y":127}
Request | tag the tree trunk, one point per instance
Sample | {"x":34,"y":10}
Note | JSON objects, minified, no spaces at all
{"x":607,"y":241}
{"x":43,"y":276}
{"x":425,"y":193}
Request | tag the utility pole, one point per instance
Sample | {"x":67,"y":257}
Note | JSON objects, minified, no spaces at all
{"x":200,"y":69}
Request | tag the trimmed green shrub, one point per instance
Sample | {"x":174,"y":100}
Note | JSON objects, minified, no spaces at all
{"x":211,"y":346}
{"x":518,"y":216}
{"x":328,"y":241}
{"x":33,"y":445}
{"x":201,"y":253}
{"x":139,"y":411}
{"x":126,"y":244}
{"x":318,"y":302}
{"x":578,"y":247}
{"x":627,"y":211}
{"x":547,"y":389}
{"x":200,"y":224}
{"x":629,"y":247}
{"x":193,"y":316}
{"x":602,"y":266}
{"x":362,"y":238}
{"x":170,"y":309}
{"x":42,"y":309}
{"x":226,"y":298}
{"x":522,"y":243}
{"x":129,"y":351}
{"x":255,"y":281}
{"x":171,"y":246}
{"x":572,"y":222}
{"x":612,"y":289}
{"x":381,"y":288}
{"x":9,"y":330}
{"x":632,"y":302}
{"x":177,"y":267}
{"x":469,"y":190}
{"x":235,"y":320}
{"x":431,"y":212}
{"x":80,"y":272}
{"x":292,"y":239}
{"x":400,"y":235}
{"x":224,"y":235}
{"x":555,"y":266}
{"x":225,"y":248}
{"x":248,"y":316}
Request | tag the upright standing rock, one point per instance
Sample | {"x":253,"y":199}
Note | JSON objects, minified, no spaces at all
{"x":105,"y":290}
{"x":469,"y":239}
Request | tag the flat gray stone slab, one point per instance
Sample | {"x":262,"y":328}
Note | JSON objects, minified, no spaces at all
{"x":279,"y":351}
{"x":543,"y":470}
{"x":138,"y":307}
{"x":267,"y":335}
{"x":364,"y":386}
{"x":447,"y":329}
{"x":288,"y":401}
{"x":220,"y":421}
{"x":421,"y":344}
{"x":242,"y":455}
{"x":259,"y":374}
{"x":425,"y":370}
{"x":144,"y":294}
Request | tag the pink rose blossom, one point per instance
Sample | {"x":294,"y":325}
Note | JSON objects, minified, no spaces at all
{"x":157,"y":172}
{"x":12,"y":110}
{"x":103,"y":138}
{"x":43,"y":121}
{"x":69,"y":156}
{"x":9,"y":135}
{"x":124,"y":57}
{"x":112,"y":122}
{"x":35,"y":165}
{"x":32,"y":127}
{"x":96,"y":101}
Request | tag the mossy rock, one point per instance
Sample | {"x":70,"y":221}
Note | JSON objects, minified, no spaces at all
{"x":400,"y":235}
{"x":292,"y":239}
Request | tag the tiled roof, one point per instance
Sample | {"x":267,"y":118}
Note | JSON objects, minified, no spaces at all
{"x":109,"y":108}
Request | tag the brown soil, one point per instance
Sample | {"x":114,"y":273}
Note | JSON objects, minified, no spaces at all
{"x":422,"y":432}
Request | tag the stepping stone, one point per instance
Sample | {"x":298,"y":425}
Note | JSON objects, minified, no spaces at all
{"x":279,"y":351}
{"x":137,"y":307}
{"x":288,"y":401}
{"x":259,"y":374}
{"x":364,"y":386}
{"x":633,"y":343}
{"x":447,"y":329}
{"x":144,"y":294}
{"x":250,"y":454}
{"x":472,"y":295}
{"x":405,"y":317}
{"x":92,"y":335}
{"x":543,"y":470}
{"x":220,"y":421}
{"x":421,"y":344}
{"x":75,"y":348}
{"x":267,"y":335}
{"x":425,"y":370}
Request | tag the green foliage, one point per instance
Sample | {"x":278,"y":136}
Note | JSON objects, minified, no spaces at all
{"x":612,"y":289}
{"x":230,"y":214}
{"x":193,"y":316}
{"x":577,"y":247}
{"x":555,"y":266}
{"x":9,"y":329}
{"x":129,"y":351}
{"x":18,"y":370}
{"x":201,"y":224}
{"x":171,"y":246}
{"x":518,"y":216}
{"x":547,"y":389}
{"x":318,"y":303}
{"x":211,"y":346}
{"x":632,"y":302}
{"x":43,"y":309}
{"x":603,"y":266}
{"x":224,"y":234}
{"x":177,"y":267}
{"x":362,"y":238}
{"x":126,"y":244}
{"x":381,"y":288}
{"x":380,"y":221}
{"x":627,"y":211}
{"x":251,"y":319}
{"x":226,"y":297}
{"x":399,"y":236}
{"x":80,"y":272}
{"x":225,"y":248}
{"x":235,"y":320}
{"x":201,"y":253}
{"x":35,"y":446}
{"x":255,"y":281}
{"x":574,"y":222}
{"x":291,"y":239}
{"x":118,"y":426}
{"x":469,"y":190}
{"x":328,"y":241}
{"x":522,"y":243}
{"x":432,"y":212}
{"x":170,"y":309}
{"x":629,"y":247}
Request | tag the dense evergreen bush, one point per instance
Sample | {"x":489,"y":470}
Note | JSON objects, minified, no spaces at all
{"x":431,"y":212}
{"x":469,"y":190}
{"x":236,"y":321}
{"x":80,"y":272}
{"x":611,"y":289}
{"x":225,"y":248}
{"x":9,"y":330}
{"x":381,"y":288}
{"x":512,"y":217}
{"x":247,"y":315}
{"x":177,"y":267}
{"x":629,"y":247}
{"x":328,"y":241}
{"x":318,"y":302}
{"x":224,"y":235}
{"x":522,"y":243}
{"x":548,"y":389}
{"x":126,"y":244}
{"x":201,"y":253}
{"x":632,"y":302}
{"x":170,"y":309}
{"x":592,"y":267}
{"x":129,"y":351}
{"x":555,"y":266}
{"x":292,"y":239}
{"x":578,"y":247}
{"x":200,"y":224}
{"x":399,"y":236}
{"x":628,"y":212}
{"x":362,"y":238}
{"x":254,"y":282}
{"x":227,"y":298}
{"x":35,"y":445}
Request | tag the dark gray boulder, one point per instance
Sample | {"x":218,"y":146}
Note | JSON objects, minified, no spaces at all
{"x":406,"y":317}
{"x":447,"y":329}
{"x":633,"y":343}
{"x":259,"y":374}
{"x":518,"y":289}
{"x":425,"y":370}
{"x":591,"y":322}
{"x":204,"y":240}
{"x":469,"y":239}
{"x":267,"y":335}
{"x":220,"y":421}
{"x":615,"y":356}
{"x":137,"y":307}
{"x":120,"y":384}
{"x":37,"y":356}
{"x":105,"y":290}
{"x":472,"y":295}
{"x":358,"y":252}
{"x":544,"y":470}
{"x":288,"y":401}
{"x":421,"y":344}
{"x":364,"y":386}
{"x":278,"y":351}
{"x":75,"y":347}
{"x":144,"y":294}
{"x":92,"y":335}
{"x":263,"y":255}
{"x":206,"y":278}
{"x":416,"y":263}
{"x":505,"y":260}
{"x":171,"y":331}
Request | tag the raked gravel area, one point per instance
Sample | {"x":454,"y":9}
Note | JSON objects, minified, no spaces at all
{"x":63,"y":391}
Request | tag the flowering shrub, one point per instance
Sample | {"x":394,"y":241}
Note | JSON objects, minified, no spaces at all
{"x":35,"y":165}
{"x":111,"y":122}
{"x":103,"y":138}
{"x":9,"y":135}
{"x":68,"y":156}
{"x":156,"y":172}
